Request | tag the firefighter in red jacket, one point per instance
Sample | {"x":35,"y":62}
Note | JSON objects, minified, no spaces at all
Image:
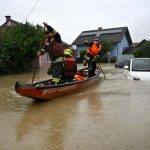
{"x":69,"y":66}
{"x":93,"y":51}
{"x":55,"y":49}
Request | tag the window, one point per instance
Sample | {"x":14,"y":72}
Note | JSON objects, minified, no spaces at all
{"x":141,"y":65}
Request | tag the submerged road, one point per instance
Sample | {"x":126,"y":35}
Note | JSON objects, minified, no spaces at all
{"x":112,"y":114}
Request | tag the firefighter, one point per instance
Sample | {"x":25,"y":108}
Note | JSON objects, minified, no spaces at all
{"x":55,"y":49}
{"x":69,"y":66}
{"x":92,"y":53}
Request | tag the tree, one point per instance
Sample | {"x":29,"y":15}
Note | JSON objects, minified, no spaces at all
{"x":106,"y":49}
{"x":143,"y":50}
{"x":18,"y":46}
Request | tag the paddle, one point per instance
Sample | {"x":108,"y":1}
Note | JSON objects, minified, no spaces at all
{"x":37,"y":61}
{"x":101,"y":70}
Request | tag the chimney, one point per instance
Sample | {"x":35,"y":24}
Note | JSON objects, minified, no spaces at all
{"x":8,"y":17}
{"x":99,"y":28}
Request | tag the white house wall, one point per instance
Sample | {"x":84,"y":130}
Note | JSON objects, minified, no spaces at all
{"x":43,"y":61}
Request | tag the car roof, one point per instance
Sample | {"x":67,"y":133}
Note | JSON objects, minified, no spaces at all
{"x":140,"y":58}
{"x":126,"y":56}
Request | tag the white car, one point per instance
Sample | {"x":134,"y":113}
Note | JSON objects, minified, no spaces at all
{"x":138,"y":68}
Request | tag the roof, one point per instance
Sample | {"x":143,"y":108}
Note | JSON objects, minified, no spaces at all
{"x":135,"y":45}
{"x":9,"y":22}
{"x":114,"y":35}
{"x":66,"y":45}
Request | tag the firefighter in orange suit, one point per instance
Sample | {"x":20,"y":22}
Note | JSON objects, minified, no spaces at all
{"x":93,"y":51}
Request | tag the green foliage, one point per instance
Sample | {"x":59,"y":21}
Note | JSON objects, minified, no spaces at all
{"x":142,"y":51}
{"x":82,"y":53}
{"x":106,"y":48}
{"x":18,"y":46}
{"x":113,"y":59}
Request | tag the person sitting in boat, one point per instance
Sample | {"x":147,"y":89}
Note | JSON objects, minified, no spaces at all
{"x":55,"y":49}
{"x":69,"y":66}
{"x":92,"y":53}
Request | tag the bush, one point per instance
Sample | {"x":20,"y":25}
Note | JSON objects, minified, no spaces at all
{"x":82,"y":53}
{"x":113,"y":59}
{"x":143,"y":50}
{"x":18,"y":46}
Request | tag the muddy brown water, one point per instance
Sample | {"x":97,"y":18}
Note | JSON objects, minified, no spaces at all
{"x":112,"y":114}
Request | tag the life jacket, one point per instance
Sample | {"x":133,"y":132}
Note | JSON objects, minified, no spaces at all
{"x":94,"y":49}
{"x":78,"y":77}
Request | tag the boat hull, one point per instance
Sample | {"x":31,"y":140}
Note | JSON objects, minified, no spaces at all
{"x":41,"y":91}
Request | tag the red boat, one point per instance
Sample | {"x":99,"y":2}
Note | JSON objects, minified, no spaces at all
{"x":43,"y":89}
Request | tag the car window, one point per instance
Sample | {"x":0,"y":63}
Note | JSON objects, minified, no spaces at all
{"x":141,"y":65}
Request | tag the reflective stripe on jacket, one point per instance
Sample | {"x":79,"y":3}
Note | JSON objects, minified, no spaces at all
{"x":60,"y":59}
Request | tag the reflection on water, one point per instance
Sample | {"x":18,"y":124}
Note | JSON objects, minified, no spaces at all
{"x":111,"y":114}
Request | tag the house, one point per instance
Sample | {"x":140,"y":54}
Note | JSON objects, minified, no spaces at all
{"x":136,"y":45}
{"x":9,"y":22}
{"x":133,"y":46}
{"x":120,"y":38}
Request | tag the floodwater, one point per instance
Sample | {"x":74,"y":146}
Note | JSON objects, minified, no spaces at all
{"x":113,"y":114}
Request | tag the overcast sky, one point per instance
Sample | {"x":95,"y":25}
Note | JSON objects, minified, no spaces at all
{"x":71,"y":17}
